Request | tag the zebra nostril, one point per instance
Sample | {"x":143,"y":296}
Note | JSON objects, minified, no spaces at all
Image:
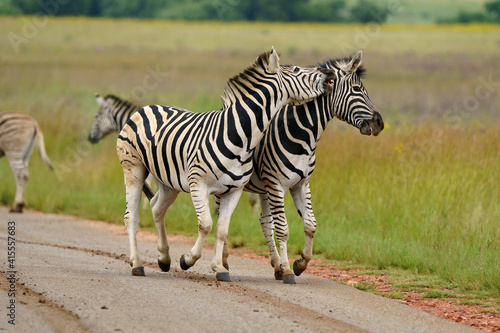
{"x":378,"y":120}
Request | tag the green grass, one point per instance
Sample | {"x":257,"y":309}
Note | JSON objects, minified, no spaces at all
{"x":433,"y":211}
{"x":399,"y":282}
{"x":423,"y":196}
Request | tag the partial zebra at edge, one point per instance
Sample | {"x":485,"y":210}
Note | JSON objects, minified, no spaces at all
{"x":19,"y":134}
{"x":112,"y":115}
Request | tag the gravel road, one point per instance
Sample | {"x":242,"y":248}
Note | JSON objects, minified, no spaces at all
{"x":72,"y":275}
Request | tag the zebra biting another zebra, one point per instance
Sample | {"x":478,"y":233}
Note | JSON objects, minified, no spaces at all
{"x":285,"y":158}
{"x":207,"y":153}
{"x":19,"y":134}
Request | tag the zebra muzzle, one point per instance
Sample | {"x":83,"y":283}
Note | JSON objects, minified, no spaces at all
{"x":372,"y":126}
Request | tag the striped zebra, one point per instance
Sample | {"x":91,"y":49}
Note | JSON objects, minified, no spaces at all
{"x":112,"y":115}
{"x":207,"y":153}
{"x":19,"y":134}
{"x":285,"y":158}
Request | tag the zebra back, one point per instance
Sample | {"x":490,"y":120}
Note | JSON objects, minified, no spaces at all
{"x":19,"y":134}
{"x":112,"y":115}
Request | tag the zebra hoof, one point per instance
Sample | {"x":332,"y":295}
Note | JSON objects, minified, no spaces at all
{"x":296,"y":269}
{"x":278,"y":275}
{"x":163,"y":267}
{"x":16,"y":209}
{"x":138,"y":271}
{"x":183,"y":264}
{"x":223,"y":276}
{"x":289,"y":279}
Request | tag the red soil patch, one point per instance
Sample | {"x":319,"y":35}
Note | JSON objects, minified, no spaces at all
{"x":449,"y":308}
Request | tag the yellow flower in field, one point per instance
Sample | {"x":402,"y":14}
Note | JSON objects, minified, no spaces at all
{"x":399,"y":148}
{"x":386,"y":126}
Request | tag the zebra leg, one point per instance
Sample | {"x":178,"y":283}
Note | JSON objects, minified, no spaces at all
{"x":20,"y":171}
{"x":228,"y":203}
{"x":266,"y":223}
{"x":22,"y":177}
{"x":216,"y":205}
{"x":145,"y":201}
{"x":134,"y":176}
{"x":201,"y":203}
{"x":302,"y":198}
{"x":277,"y":203}
{"x":225,"y":252}
{"x":225,"y":256}
{"x":159,"y":205}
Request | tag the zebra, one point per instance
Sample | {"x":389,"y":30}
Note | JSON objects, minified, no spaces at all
{"x":112,"y":115}
{"x":19,"y":134}
{"x":285,"y":158}
{"x":207,"y":153}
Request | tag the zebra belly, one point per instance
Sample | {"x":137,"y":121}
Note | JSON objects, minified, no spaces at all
{"x":226,"y":184}
{"x":214,"y":180}
{"x":177,"y":181}
{"x":255,"y":185}
{"x":280,"y":177}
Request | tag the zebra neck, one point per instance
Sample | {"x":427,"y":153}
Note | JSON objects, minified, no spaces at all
{"x":121,"y":116}
{"x":312,"y":117}
{"x":251,"y":112}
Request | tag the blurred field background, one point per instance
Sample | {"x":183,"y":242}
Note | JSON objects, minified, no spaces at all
{"x":422,"y":196}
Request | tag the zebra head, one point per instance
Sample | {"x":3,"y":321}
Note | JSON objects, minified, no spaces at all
{"x":350,"y":99}
{"x":305,"y":84}
{"x":277,"y":85}
{"x":297,"y":85}
{"x":105,"y":122}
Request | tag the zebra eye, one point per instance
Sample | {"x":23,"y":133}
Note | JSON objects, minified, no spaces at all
{"x":296,"y":69}
{"x":356,"y":88}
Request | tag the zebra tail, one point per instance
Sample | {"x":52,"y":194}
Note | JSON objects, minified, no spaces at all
{"x":148,"y":191}
{"x":41,"y":149}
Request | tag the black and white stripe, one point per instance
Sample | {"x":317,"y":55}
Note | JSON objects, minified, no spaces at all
{"x":207,"y":153}
{"x":19,"y":134}
{"x":112,"y":115}
{"x":285,"y":158}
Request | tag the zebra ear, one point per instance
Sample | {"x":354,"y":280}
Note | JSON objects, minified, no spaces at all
{"x":99,"y":99}
{"x":273,"y":64}
{"x":354,"y":63}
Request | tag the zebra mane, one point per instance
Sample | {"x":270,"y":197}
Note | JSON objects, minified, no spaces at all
{"x":260,"y":65}
{"x":117,"y":99}
{"x":341,"y":62}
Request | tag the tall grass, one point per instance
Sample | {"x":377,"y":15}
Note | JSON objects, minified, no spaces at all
{"x":407,"y":201}
{"x":423,"y":195}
